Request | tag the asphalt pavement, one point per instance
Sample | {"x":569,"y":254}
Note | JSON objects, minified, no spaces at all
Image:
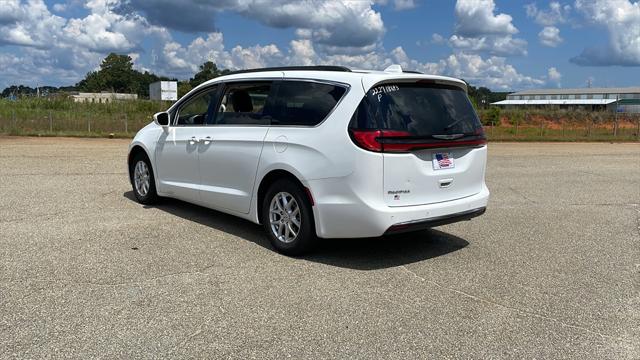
{"x":552,"y":270}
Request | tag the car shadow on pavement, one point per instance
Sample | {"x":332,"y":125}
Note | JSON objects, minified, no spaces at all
{"x":359,"y":254}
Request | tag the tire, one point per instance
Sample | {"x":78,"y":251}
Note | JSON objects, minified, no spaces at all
{"x":141,"y":167}
{"x":279,"y":221}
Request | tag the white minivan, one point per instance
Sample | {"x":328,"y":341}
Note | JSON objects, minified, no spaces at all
{"x":319,"y":152}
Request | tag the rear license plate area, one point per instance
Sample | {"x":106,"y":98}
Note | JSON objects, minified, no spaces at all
{"x":443,"y":161}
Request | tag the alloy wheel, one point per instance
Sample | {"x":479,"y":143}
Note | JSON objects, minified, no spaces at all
{"x":285,"y":217}
{"x":142,"y":178}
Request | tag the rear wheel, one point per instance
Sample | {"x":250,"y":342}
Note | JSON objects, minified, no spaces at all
{"x":144,"y":186}
{"x":287,"y":218}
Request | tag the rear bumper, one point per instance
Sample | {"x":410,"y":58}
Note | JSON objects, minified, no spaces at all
{"x":437,"y":221}
{"x":341,"y":213}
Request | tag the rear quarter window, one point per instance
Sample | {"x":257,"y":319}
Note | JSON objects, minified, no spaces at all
{"x":305,"y":103}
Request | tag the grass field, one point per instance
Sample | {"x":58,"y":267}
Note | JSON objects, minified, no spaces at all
{"x":62,"y":117}
{"x":582,"y":132}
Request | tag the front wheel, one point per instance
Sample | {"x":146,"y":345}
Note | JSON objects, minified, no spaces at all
{"x":144,"y":186}
{"x":288,"y":219}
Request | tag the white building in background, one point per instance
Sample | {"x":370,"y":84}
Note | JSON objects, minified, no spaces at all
{"x":624,"y":100}
{"x":102,"y":97}
{"x":163,"y":90}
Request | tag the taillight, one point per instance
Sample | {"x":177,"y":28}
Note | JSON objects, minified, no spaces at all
{"x":367,"y":139}
{"x":402,"y":141}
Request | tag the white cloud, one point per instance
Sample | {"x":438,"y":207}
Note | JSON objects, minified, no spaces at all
{"x":437,"y":39}
{"x":479,"y":29}
{"x":555,"y":14}
{"x":476,"y":17}
{"x":404,"y":4}
{"x":550,"y":36}
{"x":31,"y":24}
{"x":493,"y":72}
{"x":335,"y":24}
{"x":56,"y":50}
{"x":59,"y":7}
{"x":303,"y":53}
{"x":10,"y":11}
{"x":494,"y":45}
{"x":332,"y":23}
{"x":621,"y":18}
{"x":177,"y":60}
{"x":554,"y":75}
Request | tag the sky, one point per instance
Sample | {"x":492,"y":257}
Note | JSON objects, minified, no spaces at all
{"x":504,"y":45}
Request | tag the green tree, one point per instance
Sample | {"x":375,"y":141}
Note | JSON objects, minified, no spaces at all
{"x":93,"y":82}
{"x":493,"y":116}
{"x":183,"y":88}
{"x":208,"y":71}
{"x":117,"y":73}
{"x":483,"y":97}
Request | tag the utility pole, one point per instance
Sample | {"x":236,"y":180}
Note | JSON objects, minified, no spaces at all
{"x":615,"y":121}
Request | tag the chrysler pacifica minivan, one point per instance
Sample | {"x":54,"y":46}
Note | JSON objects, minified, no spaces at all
{"x":319,"y":152}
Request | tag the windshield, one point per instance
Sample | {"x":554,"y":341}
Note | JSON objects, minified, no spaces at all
{"x":422,"y":110}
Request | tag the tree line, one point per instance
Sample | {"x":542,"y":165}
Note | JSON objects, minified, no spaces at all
{"x":116,"y":74}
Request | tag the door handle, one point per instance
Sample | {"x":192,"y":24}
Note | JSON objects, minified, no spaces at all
{"x":445,"y":183}
{"x":193,"y":140}
{"x":207,"y":140}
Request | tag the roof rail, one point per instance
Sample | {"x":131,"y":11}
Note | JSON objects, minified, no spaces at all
{"x":411,"y":72}
{"x":294,"y":68}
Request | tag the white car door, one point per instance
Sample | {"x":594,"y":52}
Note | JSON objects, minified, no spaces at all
{"x":177,"y":149}
{"x":231,"y":146}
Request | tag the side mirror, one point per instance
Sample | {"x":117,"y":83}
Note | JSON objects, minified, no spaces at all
{"x":161,"y":118}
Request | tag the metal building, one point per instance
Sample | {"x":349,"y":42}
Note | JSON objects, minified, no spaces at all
{"x":163,"y":90}
{"x":102,"y":97}
{"x":623,"y":100}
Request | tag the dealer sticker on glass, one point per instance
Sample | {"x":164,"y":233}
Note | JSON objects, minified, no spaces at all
{"x":443,"y":161}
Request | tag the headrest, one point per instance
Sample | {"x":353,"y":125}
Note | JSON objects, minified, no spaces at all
{"x":241,"y":101}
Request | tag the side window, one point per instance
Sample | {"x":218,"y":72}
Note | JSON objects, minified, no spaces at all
{"x":246,"y":103}
{"x":199,"y":110}
{"x":305,"y":103}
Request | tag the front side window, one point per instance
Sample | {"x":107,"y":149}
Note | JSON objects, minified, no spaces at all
{"x":199,"y":109}
{"x":305,"y":103}
{"x":246,"y":103}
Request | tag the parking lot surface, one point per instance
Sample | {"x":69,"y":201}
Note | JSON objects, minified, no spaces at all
{"x":552,"y":270}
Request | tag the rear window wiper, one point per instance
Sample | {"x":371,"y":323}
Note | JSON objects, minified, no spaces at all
{"x":452,"y":124}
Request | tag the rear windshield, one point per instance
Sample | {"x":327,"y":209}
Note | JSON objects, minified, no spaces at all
{"x":422,"y":110}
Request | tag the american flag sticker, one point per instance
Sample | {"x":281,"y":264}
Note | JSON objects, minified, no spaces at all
{"x":443,"y":161}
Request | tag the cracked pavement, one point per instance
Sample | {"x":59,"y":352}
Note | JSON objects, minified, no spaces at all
{"x":552,"y":270}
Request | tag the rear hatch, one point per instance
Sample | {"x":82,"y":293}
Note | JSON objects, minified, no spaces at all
{"x":432,"y":141}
